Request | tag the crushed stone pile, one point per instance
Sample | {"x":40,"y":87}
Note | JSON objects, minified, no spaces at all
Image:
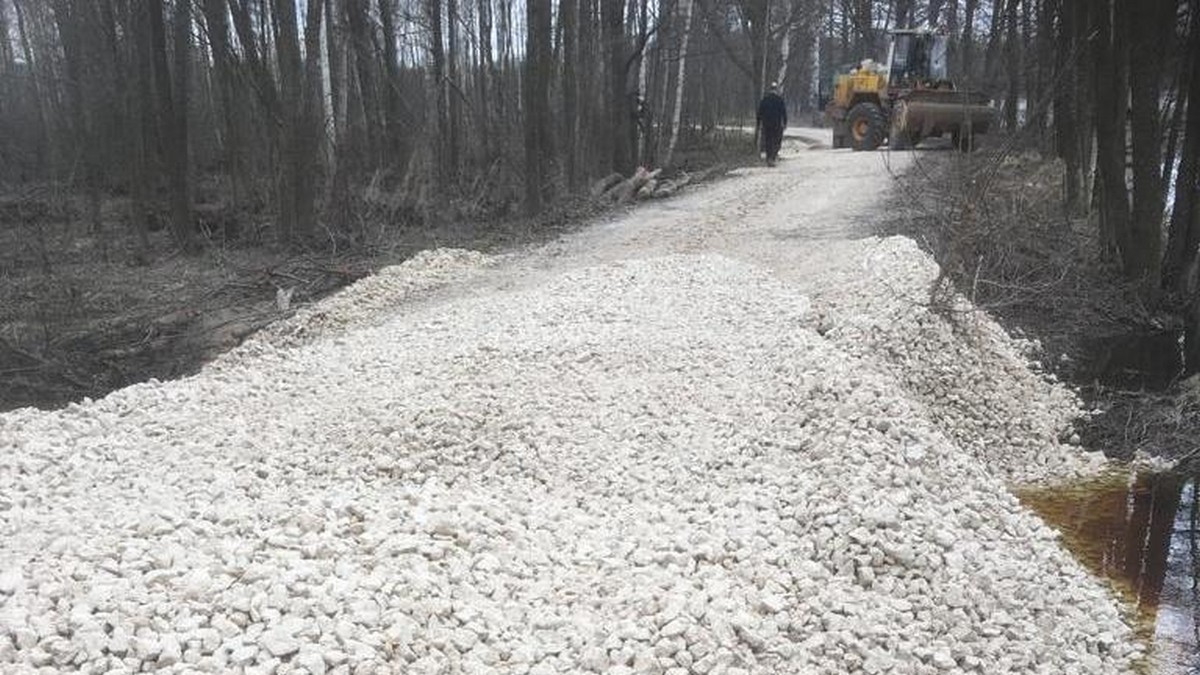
{"x":969,"y":377}
{"x":657,"y":466}
{"x":369,"y":297}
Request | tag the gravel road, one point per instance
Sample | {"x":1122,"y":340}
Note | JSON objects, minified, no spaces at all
{"x":719,"y":434}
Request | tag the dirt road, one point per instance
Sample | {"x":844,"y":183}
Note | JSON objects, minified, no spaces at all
{"x":721,"y":434}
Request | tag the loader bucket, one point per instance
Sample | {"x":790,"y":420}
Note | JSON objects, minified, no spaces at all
{"x":934,"y":113}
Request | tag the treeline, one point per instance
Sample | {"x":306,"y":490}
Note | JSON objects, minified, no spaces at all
{"x":318,"y":116}
{"x":303,"y":111}
{"x":1112,"y":87}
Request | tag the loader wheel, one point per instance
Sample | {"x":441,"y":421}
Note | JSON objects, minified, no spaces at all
{"x":868,"y":127}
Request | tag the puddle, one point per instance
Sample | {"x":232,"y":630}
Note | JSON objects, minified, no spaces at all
{"x":1136,"y":361}
{"x":1140,"y":532}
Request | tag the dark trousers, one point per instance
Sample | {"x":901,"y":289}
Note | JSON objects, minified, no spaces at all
{"x":772,"y":139}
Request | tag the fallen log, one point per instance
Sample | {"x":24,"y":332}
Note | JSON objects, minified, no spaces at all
{"x":602,"y":186}
{"x":628,"y":190}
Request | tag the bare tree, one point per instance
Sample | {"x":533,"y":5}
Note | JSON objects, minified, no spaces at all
{"x":685,"y":9}
{"x":537,"y":114}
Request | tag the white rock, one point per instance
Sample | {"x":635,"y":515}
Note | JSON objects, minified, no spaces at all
{"x":11,"y":581}
{"x":279,"y":643}
{"x":243,"y":655}
{"x":312,"y":660}
{"x":171,"y":652}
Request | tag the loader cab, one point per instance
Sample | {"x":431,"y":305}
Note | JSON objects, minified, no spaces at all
{"x":917,"y":59}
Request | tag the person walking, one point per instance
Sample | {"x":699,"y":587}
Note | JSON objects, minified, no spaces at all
{"x":772,"y":120}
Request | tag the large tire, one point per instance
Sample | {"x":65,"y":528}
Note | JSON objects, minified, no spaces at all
{"x":868,"y":126}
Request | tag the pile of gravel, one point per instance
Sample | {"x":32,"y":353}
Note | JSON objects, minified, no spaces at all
{"x":972,"y":380}
{"x":365,"y":300}
{"x":658,"y":466}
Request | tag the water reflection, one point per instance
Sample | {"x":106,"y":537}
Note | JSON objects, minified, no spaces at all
{"x":1140,"y":531}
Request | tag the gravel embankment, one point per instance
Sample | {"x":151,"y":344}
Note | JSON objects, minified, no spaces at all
{"x":677,"y":464}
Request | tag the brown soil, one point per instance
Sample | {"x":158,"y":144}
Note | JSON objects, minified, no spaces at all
{"x":999,"y":227}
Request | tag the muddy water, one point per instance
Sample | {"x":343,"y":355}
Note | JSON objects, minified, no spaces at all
{"x":1140,"y":532}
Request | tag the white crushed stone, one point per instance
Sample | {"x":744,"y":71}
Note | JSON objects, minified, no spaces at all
{"x":973,"y":381}
{"x":367,"y":298}
{"x":646,"y":466}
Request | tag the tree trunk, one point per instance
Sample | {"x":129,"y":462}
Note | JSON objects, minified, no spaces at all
{"x":590,"y":108}
{"x":294,"y":223}
{"x":864,"y":29}
{"x":433,"y":9}
{"x":364,"y":60}
{"x":537,"y":117}
{"x":1175,"y":122}
{"x":75,"y":26}
{"x":639,"y":101}
{"x":1013,"y":66}
{"x":613,"y":26}
{"x":49,"y":159}
{"x":1043,"y":73}
{"x":173,"y":98}
{"x":139,"y":109}
{"x":1073,"y":125}
{"x":339,"y":78}
{"x":952,"y":29}
{"x":935,"y":11}
{"x":309,"y":128}
{"x":686,"y":9}
{"x":216,"y":14}
{"x":568,"y":10}
{"x":967,"y":47}
{"x":1183,"y":239}
{"x":1111,"y":87}
{"x":454,"y":104}
{"x":487,"y":79}
{"x":7,"y":59}
{"x":991,"y":54}
{"x":395,"y":122}
{"x":785,"y":49}
{"x":1146,"y":65}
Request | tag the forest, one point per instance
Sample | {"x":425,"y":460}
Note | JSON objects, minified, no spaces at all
{"x":309,"y":122}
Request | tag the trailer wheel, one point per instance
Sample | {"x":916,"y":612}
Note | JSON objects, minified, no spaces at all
{"x":868,"y":126}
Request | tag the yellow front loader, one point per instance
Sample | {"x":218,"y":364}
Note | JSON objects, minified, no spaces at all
{"x":907,"y":99}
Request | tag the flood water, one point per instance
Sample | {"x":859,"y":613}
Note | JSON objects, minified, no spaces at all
{"x":1140,"y":532}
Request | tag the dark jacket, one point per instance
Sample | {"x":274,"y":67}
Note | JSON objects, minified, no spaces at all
{"x":772,"y":113}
